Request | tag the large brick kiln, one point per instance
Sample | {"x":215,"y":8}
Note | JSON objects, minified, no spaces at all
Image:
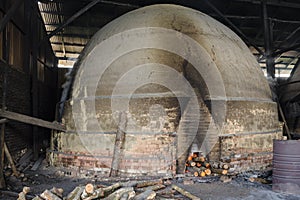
{"x":143,"y":80}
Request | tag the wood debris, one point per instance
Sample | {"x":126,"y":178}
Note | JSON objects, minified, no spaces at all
{"x":22,"y":195}
{"x":131,"y":190}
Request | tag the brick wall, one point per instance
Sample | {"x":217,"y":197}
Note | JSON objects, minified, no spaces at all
{"x":142,"y":155}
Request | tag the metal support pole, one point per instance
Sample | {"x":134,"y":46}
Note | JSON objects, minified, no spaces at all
{"x":71,"y":19}
{"x":9,"y":14}
{"x":26,"y":49}
{"x":235,"y":28}
{"x":270,"y":63}
{"x":296,"y":46}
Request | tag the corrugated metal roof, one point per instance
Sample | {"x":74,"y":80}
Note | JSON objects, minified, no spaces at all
{"x":244,"y":14}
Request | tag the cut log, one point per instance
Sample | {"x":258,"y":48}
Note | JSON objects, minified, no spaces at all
{"x":112,"y":188}
{"x":202,"y":174}
{"x":153,"y":188}
{"x":207,"y":165}
{"x":130,"y":184}
{"x":103,"y":192}
{"x":47,"y":195}
{"x":13,"y":194}
{"x":207,"y":172}
{"x":128,"y":195}
{"x":224,"y":166}
{"x":117,"y":194}
{"x":219,"y":171}
{"x":124,"y":196}
{"x":196,"y":174}
{"x":202,"y":159}
{"x":11,"y":161}
{"x":88,"y":191}
{"x":193,"y":164}
{"x":147,"y":195}
{"x":22,"y":195}
{"x":75,"y":194}
{"x":166,"y":192}
{"x":57,"y":191}
{"x":196,"y":169}
{"x":185,"y":193}
{"x":149,"y":183}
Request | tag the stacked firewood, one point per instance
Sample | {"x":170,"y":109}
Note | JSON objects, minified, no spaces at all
{"x":135,"y":190}
{"x":198,"y":165}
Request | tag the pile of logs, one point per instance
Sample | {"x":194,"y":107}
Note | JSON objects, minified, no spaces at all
{"x":199,"y":166}
{"x":135,"y":190}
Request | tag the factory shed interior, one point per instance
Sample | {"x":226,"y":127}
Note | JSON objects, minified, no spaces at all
{"x":122,"y":99}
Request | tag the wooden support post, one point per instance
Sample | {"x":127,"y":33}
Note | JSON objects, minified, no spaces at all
{"x":268,"y":41}
{"x":2,"y":179}
{"x":34,"y":78}
{"x":11,"y":161}
{"x":120,"y":138}
{"x":284,"y":121}
{"x":4,"y":93}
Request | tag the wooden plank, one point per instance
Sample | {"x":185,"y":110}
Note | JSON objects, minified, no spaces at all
{"x":119,"y":143}
{"x":285,"y":123}
{"x":25,"y":158}
{"x":32,"y":120}
{"x":37,"y":163}
{"x":11,"y":161}
{"x":185,"y":193}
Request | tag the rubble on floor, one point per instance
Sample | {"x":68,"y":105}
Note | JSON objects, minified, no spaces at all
{"x":44,"y":182}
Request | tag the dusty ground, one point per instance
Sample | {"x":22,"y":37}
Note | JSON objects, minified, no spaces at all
{"x":239,"y":188}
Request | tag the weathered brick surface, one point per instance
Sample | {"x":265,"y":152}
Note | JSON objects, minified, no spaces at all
{"x":246,"y":144}
{"x":142,"y":154}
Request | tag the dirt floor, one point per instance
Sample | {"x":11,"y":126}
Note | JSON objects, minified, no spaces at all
{"x":208,"y":188}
